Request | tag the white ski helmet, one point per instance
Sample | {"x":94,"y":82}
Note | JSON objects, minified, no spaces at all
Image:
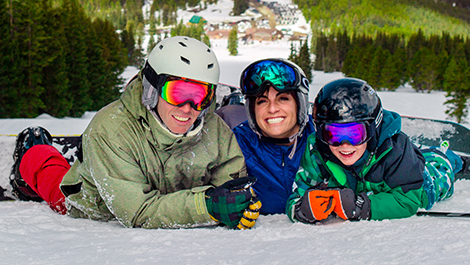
{"x":178,"y":56}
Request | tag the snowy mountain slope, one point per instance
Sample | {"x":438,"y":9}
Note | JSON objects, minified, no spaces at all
{"x":31,"y":233}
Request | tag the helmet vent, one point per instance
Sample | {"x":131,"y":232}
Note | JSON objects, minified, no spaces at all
{"x":182,"y":44}
{"x":209,"y":66}
{"x":185,"y":60}
{"x":160,"y":47}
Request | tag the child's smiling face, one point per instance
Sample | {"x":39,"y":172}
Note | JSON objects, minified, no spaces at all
{"x":348,"y":154}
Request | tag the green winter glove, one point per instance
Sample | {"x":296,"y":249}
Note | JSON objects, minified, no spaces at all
{"x":227,"y":203}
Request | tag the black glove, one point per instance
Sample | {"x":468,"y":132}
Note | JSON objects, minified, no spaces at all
{"x":227,"y":203}
{"x":350,"y":206}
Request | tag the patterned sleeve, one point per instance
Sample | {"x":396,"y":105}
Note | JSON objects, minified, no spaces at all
{"x":308,"y":175}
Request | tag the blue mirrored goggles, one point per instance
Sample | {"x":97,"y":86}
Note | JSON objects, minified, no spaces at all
{"x":281,"y":74}
{"x":336,"y":134}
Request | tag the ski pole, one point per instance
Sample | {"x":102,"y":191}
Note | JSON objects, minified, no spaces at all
{"x":442,"y":214}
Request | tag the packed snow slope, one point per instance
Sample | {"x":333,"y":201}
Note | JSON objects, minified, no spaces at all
{"x":30,"y":233}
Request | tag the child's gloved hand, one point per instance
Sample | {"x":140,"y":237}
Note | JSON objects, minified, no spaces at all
{"x":227,"y":203}
{"x":349,"y":206}
{"x":317,"y":205}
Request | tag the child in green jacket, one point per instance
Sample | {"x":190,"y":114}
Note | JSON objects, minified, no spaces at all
{"x":360,"y":165}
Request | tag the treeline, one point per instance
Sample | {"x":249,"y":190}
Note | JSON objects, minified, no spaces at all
{"x":402,"y":17}
{"x":195,"y":31}
{"x":54,"y":59}
{"x":437,"y":62}
{"x":118,"y":12}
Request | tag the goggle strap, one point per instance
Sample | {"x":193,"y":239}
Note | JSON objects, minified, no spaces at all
{"x":153,"y":77}
{"x":261,"y":87}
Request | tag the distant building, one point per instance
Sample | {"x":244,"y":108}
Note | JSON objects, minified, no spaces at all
{"x":219,"y":34}
{"x":196,"y":20}
{"x":256,"y":34}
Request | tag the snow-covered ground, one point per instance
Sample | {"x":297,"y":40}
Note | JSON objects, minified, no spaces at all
{"x":30,"y":233}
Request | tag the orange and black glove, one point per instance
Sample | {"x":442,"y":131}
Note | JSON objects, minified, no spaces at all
{"x":317,"y":205}
{"x":350,"y":206}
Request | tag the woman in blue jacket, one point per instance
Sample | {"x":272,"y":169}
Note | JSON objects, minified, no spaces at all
{"x":273,"y":138}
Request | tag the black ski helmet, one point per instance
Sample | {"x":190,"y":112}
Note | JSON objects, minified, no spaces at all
{"x":347,"y":100}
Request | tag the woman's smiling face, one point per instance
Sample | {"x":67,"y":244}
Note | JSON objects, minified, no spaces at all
{"x":276,"y":113}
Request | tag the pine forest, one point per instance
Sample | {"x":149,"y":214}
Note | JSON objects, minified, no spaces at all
{"x":64,"y":57}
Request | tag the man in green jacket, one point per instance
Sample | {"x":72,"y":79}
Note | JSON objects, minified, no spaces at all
{"x":156,"y":158}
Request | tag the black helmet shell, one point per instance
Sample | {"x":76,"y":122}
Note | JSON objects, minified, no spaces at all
{"x":346,"y":100}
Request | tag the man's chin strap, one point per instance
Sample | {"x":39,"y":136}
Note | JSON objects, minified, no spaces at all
{"x":195,"y":128}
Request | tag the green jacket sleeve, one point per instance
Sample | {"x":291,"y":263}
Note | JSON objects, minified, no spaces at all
{"x":307,"y":176}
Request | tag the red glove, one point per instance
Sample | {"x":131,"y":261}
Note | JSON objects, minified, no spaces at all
{"x":315,"y":205}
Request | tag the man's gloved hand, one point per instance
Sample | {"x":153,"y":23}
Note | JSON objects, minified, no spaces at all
{"x":349,"y":206}
{"x":315,"y":205}
{"x":227,"y":203}
{"x":251,"y":213}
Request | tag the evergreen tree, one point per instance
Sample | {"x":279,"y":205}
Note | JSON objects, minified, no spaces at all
{"x":152,"y":24}
{"x":239,"y":6}
{"x":430,"y":70}
{"x":54,"y":75}
{"x":233,"y":42}
{"x":98,"y":71}
{"x":293,"y":53}
{"x":206,"y":40}
{"x":400,"y":60}
{"x":343,"y":44}
{"x":349,"y":65}
{"x":416,"y":68}
{"x":391,"y":75}
{"x":194,"y":31}
{"x":441,"y":66}
{"x":423,"y":70}
{"x":364,"y":64}
{"x":304,"y":61}
{"x":9,"y":67}
{"x":76,"y":58}
{"x":29,"y":34}
{"x":113,"y":55}
{"x":457,"y":86}
{"x":331,"y":56}
{"x":375,"y":70}
{"x":415,"y":42}
{"x":320,"y":52}
{"x":151,"y":44}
